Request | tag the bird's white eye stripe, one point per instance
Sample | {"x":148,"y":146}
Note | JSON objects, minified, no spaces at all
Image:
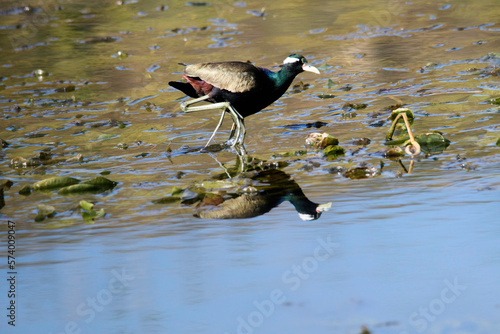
{"x":289,"y":60}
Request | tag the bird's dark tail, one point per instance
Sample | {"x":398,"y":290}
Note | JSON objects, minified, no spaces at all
{"x":184,"y":87}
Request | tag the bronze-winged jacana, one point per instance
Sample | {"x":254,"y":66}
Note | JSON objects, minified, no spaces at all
{"x":239,"y":88}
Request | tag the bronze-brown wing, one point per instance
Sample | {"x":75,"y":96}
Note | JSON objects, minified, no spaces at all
{"x":236,"y":77}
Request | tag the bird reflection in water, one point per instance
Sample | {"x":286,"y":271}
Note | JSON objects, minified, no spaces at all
{"x":254,"y":192}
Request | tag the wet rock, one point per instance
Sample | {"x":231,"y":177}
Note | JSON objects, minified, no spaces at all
{"x":336,"y":170}
{"x":361,"y":141}
{"x":394,"y":152}
{"x":345,"y":88}
{"x":361,"y":172}
{"x":44,"y":211}
{"x":321,"y":140}
{"x":25,"y":190}
{"x":3,"y":144}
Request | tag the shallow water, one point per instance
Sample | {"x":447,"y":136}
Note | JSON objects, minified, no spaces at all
{"x":397,"y":253}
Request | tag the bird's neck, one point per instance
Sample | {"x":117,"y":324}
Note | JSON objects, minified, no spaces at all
{"x":283,"y":79}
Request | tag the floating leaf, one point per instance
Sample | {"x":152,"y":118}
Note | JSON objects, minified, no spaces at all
{"x":86,"y":205}
{"x":432,"y":142}
{"x":398,"y":111}
{"x":167,"y":200}
{"x":44,"y":211}
{"x":79,"y":188}
{"x":330,"y":83}
{"x":55,"y":182}
{"x":399,"y":141}
{"x":498,"y":142}
{"x":96,"y":185}
{"x":399,"y":124}
{"x":90,"y":216}
{"x":89,"y":213}
{"x":333,"y":151}
{"x":326,"y":96}
{"x":102,"y":182}
{"x":177,"y":191}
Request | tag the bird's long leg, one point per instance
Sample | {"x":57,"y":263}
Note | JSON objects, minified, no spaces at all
{"x":225,"y":106}
{"x":185,"y":105}
{"x":216,"y":128}
{"x":243,"y":131}
{"x":240,"y":126}
{"x":231,"y":134}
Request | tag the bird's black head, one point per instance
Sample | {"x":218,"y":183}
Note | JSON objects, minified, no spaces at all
{"x":297,"y":63}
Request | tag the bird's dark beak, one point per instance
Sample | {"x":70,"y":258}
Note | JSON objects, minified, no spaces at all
{"x":310,"y":68}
